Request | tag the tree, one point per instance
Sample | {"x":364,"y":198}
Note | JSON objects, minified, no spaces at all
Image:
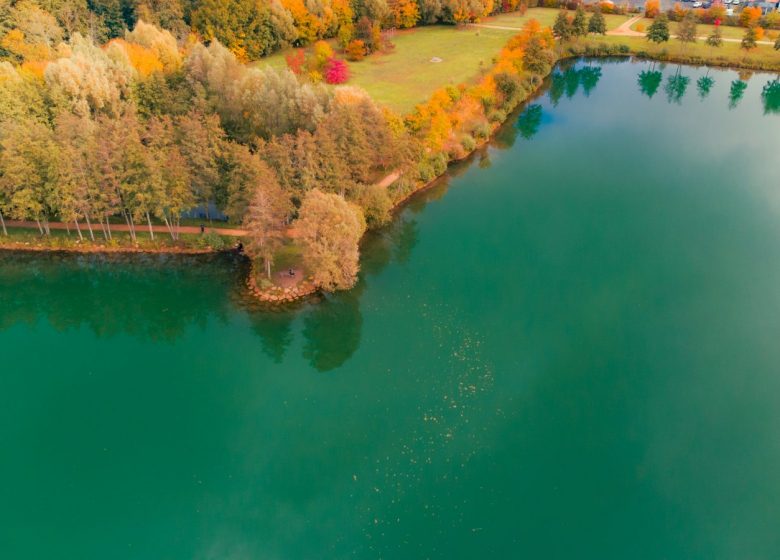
{"x":749,"y":40}
{"x":597,"y":24}
{"x":29,"y":172}
{"x":562,"y":27}
{"x":265,"y":218}
{"x":579,"y":24}
{"x":336,"y":71}
{"x":777,"y":44}
{"x":686,"y":30}
{"x":652,"y":8}
{"x":715,"y":39}
{"x":750,"y":16}
{"x":330,"y":231}
{"x":537,"y":57}
{"x":658,"y":32}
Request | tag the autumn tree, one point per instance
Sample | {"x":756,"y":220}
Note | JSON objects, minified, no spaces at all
{"x":265,"y":216}
{"x":750,"y":16}
{"x":29,"y":172}
{"x":686,"y":30}
{"x":652,"y":8}
{"x":330,"y":229}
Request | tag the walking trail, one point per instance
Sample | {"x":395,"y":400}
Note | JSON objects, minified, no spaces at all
{"x":144,"y":228}
{"x":624,"y":30}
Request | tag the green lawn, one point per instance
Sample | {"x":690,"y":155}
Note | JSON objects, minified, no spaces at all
{"x":60,"y":239}
{"x":405,"y":77}
{"x":545,"y":16}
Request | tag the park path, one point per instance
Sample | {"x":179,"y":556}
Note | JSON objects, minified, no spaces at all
{"x":124,"y":227}
{"x":624,"y":29}
{"x":144,"y":228}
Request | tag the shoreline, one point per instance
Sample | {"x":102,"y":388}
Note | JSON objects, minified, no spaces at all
{"x":306,"y":289}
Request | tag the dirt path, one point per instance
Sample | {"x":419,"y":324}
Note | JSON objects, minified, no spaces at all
{"x":624,"y":29}
{"x":140,"y":229}
{"x":143,"y":228}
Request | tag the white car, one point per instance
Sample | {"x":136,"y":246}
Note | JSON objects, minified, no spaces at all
{"x":697,"y":4}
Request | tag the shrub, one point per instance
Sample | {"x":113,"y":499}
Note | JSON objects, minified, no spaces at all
{"x":356,"y":50}
{"x":439,"y":163}
{"x":336,"y":71}
{"x":481,"y":130}
{"x":213,"y":240}
{"x":468,"y":143}
{"x":497,"y":116}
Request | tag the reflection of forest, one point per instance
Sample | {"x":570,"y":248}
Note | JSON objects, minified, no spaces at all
{"x":152,"y":296}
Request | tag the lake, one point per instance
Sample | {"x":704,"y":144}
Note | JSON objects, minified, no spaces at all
{"x":567,"y":348}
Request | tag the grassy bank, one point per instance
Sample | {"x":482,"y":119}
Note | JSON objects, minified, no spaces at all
{"x":764,"y":57}
{"x":59,"y":240}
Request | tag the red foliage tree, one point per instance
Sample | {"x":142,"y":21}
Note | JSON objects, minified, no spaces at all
{"x":296,"y":61}
{"x":336,"y":71}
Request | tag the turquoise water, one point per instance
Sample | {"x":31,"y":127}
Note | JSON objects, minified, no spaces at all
{"x":566,"y":349}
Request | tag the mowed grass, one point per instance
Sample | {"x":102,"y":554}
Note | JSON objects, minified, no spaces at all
{"x":545,"y":16}
{"x":407,"y":76}
{"x":704,"y":30}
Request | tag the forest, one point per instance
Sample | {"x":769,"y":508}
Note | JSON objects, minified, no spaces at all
{"x":140,"y":111}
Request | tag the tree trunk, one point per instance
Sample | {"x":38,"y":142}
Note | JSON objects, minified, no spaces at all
{"x":2,"y":222}
{"x":40,"y":229}
{"x":149,"y":221}
{"x":170,"y":228}
{"x":67,"y":228}
{"x":108,"y":228}
{"x":268,"y":268}
{"x":78,"y":229}
{"x":46,"y":225}
{"x":89,"y":226}
{"x":178,"y":225}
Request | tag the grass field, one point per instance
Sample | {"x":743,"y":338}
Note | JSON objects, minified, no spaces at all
{"x":545,"y":16}
{"x":702,"y":30}
{"x":405,"y":77}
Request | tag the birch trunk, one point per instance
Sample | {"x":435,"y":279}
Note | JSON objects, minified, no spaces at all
{"x":89,"y":226}
{"x":2,"y":221}
{"x":149,"y":221}
{"x":78,"y":229}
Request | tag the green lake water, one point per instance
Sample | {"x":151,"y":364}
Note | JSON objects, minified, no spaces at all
{"x":567,"y":349}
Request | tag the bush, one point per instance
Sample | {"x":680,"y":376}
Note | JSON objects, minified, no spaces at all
{"x":497,"y":116}
{"x":468,"y":143}
{"x":481,"y":131}
{"x":336,"y":71}
{"x":426,"y":172}
{"x":439,"y":163}
{"x":211,"y":239}
{"x":356,"y":50}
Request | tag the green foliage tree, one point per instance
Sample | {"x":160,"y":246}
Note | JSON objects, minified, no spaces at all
{"x":562,"y":28}
{"x":749,"y":40}
{"x":658,"y":32}
{"x":597,"y":24}
{"x":580,"y":23}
